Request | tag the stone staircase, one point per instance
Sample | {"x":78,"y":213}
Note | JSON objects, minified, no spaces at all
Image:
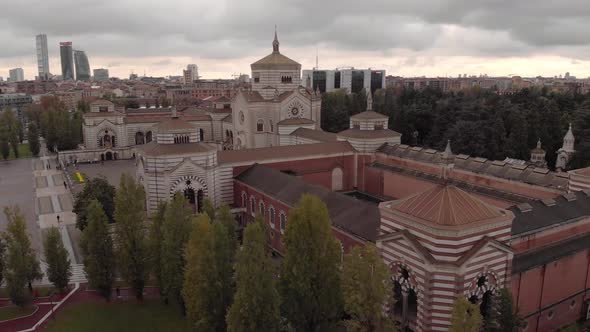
{"x":78,"y":274}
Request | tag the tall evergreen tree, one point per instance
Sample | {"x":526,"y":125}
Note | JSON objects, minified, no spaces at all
{"x":310,"y":272}
{"x":98,"y":252}
{"x":11,"y":126}
{"x":256,"y":305}
{"x":367,"y":289}
{"x":33,"y":137}
{"x":175,"y":232}
{"x":155,"y":242}
{"x":224,"y":216}
{"x":131,"y":234}
{"x":207,"y":280}
{"x":508,"y":318}
{"x":2,"y":259}
{"x":466,"y":316}
{"x":59,"y":270}
{"x":16,"y":235}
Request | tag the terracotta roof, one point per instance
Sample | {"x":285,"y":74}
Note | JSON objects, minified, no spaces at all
{"x":446,"y":205}
{"x":175,"y":124}
{"x":288,"y":151}
{"x":101,"y":114}
{"x":276,"y":60}
{"x":101,"y":102}
{"x":544,"y":255}
{"x":295,"y":121}
{"x":369,"y":115}
{"x":155,"y":150}
{"x":347,"y":213}
{"x":316,"y":135}
{"x":358,"y":133}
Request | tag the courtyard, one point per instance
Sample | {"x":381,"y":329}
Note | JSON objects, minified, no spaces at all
{"x":111,"y":170}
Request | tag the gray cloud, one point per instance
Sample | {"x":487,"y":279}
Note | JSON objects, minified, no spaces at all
{"x":235,"y":29}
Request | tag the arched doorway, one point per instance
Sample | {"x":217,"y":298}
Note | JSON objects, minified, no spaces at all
{"x":194,"y":197}
{"x":337,"y":177}
{"x":109,"y":155}
{"x":201,"y":135}
{"x":405,"y":310}
{"x":139,"y":138}
{"x":148,"y":136}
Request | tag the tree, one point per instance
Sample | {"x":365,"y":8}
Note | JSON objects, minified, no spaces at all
{"x":130,"y":235}
{"x":4,"y":145}
{"x":310,"y":271}
{"x":207,"y":281}
{"x":208,"y":208}
{"x":466,"y":316}
{"x":33,"y":137}
{"x":224,"y":216}
{"x":11,"y":127}
{"x":2,"y":259}
{"x":175,"y":232}
{"x":155,"y":242}
{"x":22,"y":265}
{"x":59,"y":270}
{"x":367,"y":289}
{"x":508,"y":319}
{"x":96,"y":188}
{"x":256,"y":305}
{"x":97,"y":249}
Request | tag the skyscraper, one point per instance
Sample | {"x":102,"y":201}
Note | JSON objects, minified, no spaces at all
{"x":42,"y":57}
{"x":16,"y":75}
{"x":67,"y":61}
{"x":101,"y":74}
{"x":191,"y":74}
{"x":82,"y":66}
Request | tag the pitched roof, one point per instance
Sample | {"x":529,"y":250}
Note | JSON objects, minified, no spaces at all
{"x":446,"y":205}
{"x":368,"y":134}
{"x":581,"y":171}
{"x":531,"y":259}
{"x":316,"y":135}
{"x":295,"y":121}
{"x":155,"y":150}
{"x":286,"y":151}
{"x":174,"y":124}
{"x":347,"y":213}
{"x":544,"y":215}
{"x":369,"y":115}
{"x":276,"y":60}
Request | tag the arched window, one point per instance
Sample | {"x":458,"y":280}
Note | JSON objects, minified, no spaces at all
{"x":244,"y":199}
{"x":201,"y":134}
{"x":261,"y":209}
{"x":337,"y":177}
{"x":252,"y":206}
{"x":283,"y":221}
{"x":260,"y":125}
{"x":271,"y":217}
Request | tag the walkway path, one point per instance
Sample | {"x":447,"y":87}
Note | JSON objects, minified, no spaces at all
{"x":55,"y":204}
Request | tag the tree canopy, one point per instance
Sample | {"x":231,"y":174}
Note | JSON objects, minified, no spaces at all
{"x":466,"y":316}
{"x":479,"y":122}
{"x":59,"y":270}
{"x":131,"y":234}
{"x":98,"y":252}
{"x":310,"y":271}
{"x":95,"y":188}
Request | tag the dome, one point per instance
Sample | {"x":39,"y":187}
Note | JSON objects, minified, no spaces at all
{"x":175,"y":125}
{"x":447,"y":205}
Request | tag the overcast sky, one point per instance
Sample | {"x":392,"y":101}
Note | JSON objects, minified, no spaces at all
{"x":405,"y":37}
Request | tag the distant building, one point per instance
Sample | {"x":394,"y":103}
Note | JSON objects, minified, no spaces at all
{"x":42,"y":57}
{"x":67,"y":60}
{"x":16,"y":102}
{"x":351,"y":79}
{"x":82,"y":66}
{"x":191,"y":74}
{"x":101,"y":74}
{"x":16,"y":75}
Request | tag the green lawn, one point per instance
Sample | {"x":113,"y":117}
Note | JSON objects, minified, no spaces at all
{"x":11,"y":312}
{"x":23,"y":152}
{"x":128,"y":317}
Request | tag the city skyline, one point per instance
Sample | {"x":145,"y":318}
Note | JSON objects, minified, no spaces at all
{"x":442,"y":38}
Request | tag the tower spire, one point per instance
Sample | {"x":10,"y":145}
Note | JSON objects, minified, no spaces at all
{"x":275,"y":42}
